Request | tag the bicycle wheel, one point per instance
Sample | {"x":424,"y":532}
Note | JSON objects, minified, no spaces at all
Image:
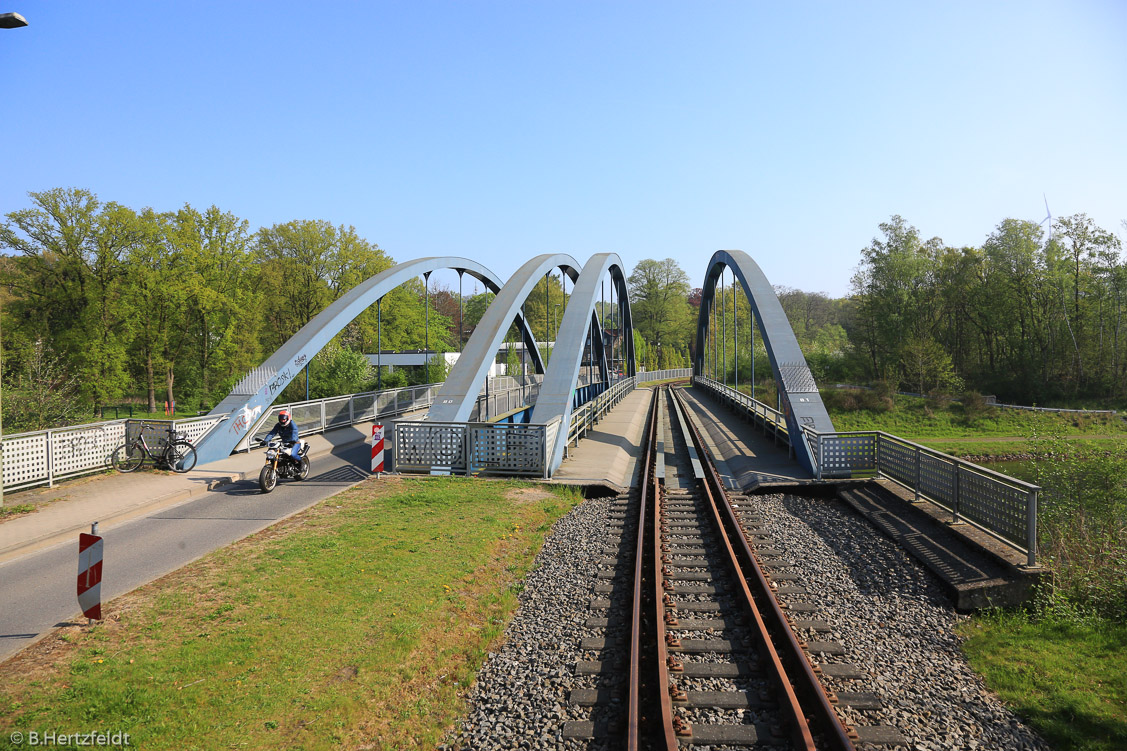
{"x":126,"y":457}
{"x":180,"y":456}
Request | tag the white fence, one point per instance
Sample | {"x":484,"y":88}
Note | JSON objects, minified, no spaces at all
{"x":648,"y":376}
{"x":46,"y":456}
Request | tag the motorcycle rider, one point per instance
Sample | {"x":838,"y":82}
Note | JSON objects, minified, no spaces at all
{"x":286,"y":429}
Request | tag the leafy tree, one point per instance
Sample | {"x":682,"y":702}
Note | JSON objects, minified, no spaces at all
{"x":42,"y":395}
{"x":70,"y":283}
{"x":659,"y":293}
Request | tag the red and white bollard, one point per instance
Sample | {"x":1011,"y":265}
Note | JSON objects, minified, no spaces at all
{"x":90,"y":574}
{"x":377,"y":450}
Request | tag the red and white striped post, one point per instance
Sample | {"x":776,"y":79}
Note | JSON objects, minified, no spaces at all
{"x":377,"y":450}
{"x":90,"y":574}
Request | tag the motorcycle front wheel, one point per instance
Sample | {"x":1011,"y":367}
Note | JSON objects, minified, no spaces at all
{"x":267,"y":478}
{"x":303,"y":468}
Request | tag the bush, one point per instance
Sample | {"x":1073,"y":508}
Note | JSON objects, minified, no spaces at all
{"x":1082,"y":531}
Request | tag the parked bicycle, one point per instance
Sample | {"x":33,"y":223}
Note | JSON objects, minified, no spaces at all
{"x":179,"y":454}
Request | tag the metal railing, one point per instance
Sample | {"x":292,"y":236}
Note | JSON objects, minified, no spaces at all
{"x":647,"y":376}
{"x":1003,"y":506}
{"x":497,"y":403}
{"x":42,"y":457}
{"x":319,"y":415}
{"x":587,"y":415}
{"x":471,"y":448}
{"x":769,"y":419}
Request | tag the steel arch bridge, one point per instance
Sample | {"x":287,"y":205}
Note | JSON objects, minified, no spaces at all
{"x":257,"y":391}
{"x":801,"y":403}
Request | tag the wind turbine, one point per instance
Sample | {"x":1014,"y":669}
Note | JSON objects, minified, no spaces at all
{"x":1048,"y":218}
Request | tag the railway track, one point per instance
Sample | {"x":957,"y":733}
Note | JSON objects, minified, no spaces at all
{"x":697,"y":649}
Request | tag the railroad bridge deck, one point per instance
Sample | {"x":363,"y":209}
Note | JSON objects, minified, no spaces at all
{"x":976,"y":569}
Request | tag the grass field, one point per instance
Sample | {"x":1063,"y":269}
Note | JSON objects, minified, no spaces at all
{"x":358,"y":622}
{"x":1066,"y":678}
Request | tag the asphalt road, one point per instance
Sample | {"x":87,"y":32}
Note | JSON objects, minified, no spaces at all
{"x":38,"y":592}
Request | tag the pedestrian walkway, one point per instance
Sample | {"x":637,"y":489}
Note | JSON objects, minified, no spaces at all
{"x":113,"y":498}
{"x":608,"y":453}
{"x":745,"y":458}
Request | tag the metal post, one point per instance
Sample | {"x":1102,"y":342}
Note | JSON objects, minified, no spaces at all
{"x":919,"y":461}
{"x":724,"y":329}
{"x":752,"y":350}
{"x":821,"y":456}
{"x":735,"y":335}
{"x":426,"y":327}
{"x":1031,"y":528}
{"x":460,"y":327}
{"x":958,"y":499}
{"x":379,"y":343}
{"x":307,"y":380}
{"x":547,"y":297}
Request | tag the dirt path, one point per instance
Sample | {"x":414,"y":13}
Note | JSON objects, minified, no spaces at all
{"x":1017,"y":438}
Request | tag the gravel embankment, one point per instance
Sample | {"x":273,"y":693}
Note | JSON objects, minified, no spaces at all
{"x":890,"y":614}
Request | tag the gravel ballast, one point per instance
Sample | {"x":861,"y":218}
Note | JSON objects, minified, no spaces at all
{"x":890,"y":614}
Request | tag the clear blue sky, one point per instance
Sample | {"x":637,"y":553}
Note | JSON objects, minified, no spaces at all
{"x":499,"y":130}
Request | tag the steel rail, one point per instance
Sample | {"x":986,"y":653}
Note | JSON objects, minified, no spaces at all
{"x":814,"y":701}
{"x":634,"y":709}
{"x":645,"y":676}
{"x":667,"y":736}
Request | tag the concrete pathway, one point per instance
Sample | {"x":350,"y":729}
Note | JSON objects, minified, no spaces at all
{"x":608,"y":454}
{"x":113,"y":499}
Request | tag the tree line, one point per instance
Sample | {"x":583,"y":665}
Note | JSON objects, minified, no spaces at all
{"x":102,"y":302}
{"x":1032,"y":316}
{"x":1028,"y":315}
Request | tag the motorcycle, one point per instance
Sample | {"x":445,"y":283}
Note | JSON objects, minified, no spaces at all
{"x":280,"y":463}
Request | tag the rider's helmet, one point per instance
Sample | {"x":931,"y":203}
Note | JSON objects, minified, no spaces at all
{"x":284,"y":417}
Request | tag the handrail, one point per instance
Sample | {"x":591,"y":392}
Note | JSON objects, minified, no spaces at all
{"x":947,"y":481}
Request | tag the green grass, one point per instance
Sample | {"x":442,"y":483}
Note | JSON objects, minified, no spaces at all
{"x":360,"y":622}
{"x":915,"y":418}
{"x":986,"y":432}
{"x":16,"y":510}
{"x":1066,"y":678}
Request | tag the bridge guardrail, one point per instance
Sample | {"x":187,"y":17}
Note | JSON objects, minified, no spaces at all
{"x":769,"y":419}
{"x":472,"y":447}
{"x":1003,"y":506}
{"x":646,"y":376}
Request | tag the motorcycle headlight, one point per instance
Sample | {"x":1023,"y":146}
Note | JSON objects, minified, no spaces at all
{"x":271,"y":453}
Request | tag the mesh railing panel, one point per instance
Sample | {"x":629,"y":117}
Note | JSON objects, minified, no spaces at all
{"x":993,"y":504}
{"x":507,"y":449}
{"x":846,"y":454}
{"x":364,"y":407}
{"x":897,"y":461}
{"x":25,"y":460}
{"x":83,"y":449}
{"x":193,"y":430}
{"x":423,"y":447}
{"x":157,"y":433}
{"x":338,"y":412}
{"x":937,"y":479}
